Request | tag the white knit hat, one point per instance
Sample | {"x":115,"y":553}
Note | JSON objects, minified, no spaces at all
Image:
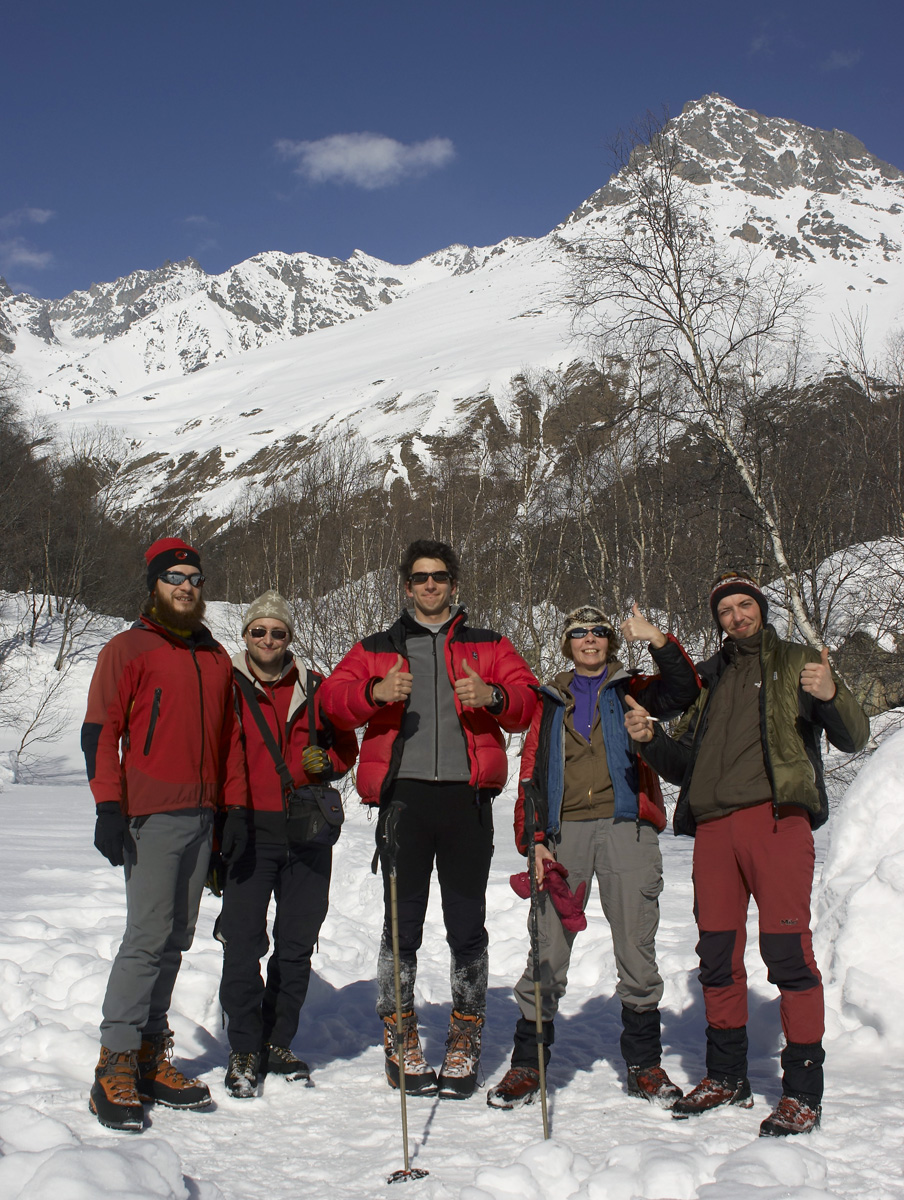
{"x":588,"y":615}
{"x":270,"y":604}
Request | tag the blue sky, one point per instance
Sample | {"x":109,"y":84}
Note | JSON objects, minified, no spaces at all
{"x":135,"y":133}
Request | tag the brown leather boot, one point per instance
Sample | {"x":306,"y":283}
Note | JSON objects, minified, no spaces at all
{"x":458,"y":1074}
{"x":114,"y":1098}
{"x":159,"y":1082}
{"x":420,"y":1078}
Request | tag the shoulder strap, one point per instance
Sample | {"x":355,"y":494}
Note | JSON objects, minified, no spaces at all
{"x":249,"y":691}
{"x":310,"y":687}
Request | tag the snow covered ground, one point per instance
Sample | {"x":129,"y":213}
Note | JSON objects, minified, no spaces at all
{"x":62,"y":913}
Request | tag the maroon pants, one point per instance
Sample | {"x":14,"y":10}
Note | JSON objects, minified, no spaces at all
{"x":750,"y":852}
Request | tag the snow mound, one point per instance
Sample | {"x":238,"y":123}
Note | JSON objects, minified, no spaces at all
{"x":860,"y":934}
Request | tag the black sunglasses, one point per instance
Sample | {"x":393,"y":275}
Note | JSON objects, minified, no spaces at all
{"x":600,"y":631}
{"x":174,"y":578}
{"x":258,"y":632}
{"x":423,"y":576}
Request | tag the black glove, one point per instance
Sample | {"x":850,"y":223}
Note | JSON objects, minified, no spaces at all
{"x":111,"y":833}
{"x":234,"y":838}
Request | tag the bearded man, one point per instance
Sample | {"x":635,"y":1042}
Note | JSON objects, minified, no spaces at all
{"x":163,"y":753}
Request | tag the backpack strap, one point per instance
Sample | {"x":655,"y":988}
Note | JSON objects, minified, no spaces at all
{"x":249,"y":691}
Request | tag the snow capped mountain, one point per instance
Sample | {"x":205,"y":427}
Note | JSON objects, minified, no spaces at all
{"x":218,"y":379}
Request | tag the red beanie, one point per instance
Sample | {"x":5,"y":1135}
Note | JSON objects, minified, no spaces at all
{"x":166,"y":553}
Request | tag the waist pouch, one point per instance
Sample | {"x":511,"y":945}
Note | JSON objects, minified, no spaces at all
{"x":314,"y":814}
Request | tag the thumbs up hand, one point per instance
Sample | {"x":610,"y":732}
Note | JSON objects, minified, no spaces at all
{"x":638,"y":721}
{"x":816,"y":678}
{"x":395,"y":684}
{"x":638,"y":629}
{"x":470,"y":689}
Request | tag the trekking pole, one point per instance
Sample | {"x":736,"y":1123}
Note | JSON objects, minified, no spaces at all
{"x":530,"y":830}
{"x":391,"y":849}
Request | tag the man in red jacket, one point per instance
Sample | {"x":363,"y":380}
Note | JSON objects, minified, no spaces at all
{"x":434,"y":696}
{"x":162,"y":750}
{"x":284,"y":857}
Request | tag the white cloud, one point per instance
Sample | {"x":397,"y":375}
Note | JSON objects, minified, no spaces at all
{"x":842,"y":60}
{"x":16,"y":253}
{"x":760,"y":45}
{"x":367,"y":160}
{"x":26,"y":216}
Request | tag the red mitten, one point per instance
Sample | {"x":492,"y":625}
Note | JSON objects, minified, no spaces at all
{"x":569,"y":905}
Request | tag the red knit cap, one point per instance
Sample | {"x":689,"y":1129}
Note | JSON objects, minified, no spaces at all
{"x":166,"y":553}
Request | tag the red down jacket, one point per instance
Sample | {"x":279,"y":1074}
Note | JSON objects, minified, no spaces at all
{"x":160,"y":732}
{"x":347,"y":698}
{"x":285,"y":709}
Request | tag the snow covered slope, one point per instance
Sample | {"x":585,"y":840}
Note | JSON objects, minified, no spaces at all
{"x":208,"y":376}
{"x":62,"y":913}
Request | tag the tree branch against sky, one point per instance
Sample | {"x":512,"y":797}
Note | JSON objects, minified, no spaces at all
{"x":658,"y":283}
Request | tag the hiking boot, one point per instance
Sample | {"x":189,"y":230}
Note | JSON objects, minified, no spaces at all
{"x":241,"y":1074}
{"x":713,"y":1093}
{"x":420,"y":1078}
{"x":159,"y":1082}
{"x":517,"y":1087}
{"x":279,"y":1060}
{"x":114,"y":1099}
{"x":458,"y":1074}
{"x":791,"y":1115}
{"x":652,"y":1083}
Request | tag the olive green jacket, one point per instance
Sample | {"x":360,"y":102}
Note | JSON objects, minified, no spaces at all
{"x":791,"y":723}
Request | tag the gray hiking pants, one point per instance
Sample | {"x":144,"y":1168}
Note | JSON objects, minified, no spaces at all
{"x":165,"y":873}
{"x":624,"y":856}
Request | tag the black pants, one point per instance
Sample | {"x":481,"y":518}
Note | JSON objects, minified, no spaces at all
{"x":442,"y":823}
{"x":300,"y":881}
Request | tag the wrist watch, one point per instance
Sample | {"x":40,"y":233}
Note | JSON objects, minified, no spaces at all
{"x":498,"y":697}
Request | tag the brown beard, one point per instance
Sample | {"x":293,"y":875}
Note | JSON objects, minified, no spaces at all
{"x":160,"y":609}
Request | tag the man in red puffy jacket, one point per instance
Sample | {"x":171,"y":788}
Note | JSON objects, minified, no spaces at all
{"x":434,"y":696}
{"x":162,"y":750}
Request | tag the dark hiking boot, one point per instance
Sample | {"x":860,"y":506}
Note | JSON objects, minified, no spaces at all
{"x":517,"y":1087}
{"x":114,"y":1098}
{"x":159,"y":1082}
{"x":713,"y":1093}
{"x":242,"y":1074}
{"x":791,"y":1115}
{"x":279,"y":1060}
{"x":652,"y":1083}
{"x":420,"y":1078}
{"x":458,"y":1074}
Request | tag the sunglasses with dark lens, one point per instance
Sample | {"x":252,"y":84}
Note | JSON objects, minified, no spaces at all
{"x":599,"y":631}
{"x":174,"y":578}
{"x":423,"y":576}
{"x":258,"y":632}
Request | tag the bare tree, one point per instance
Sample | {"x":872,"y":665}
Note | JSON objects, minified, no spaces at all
{"x":659,"y":283}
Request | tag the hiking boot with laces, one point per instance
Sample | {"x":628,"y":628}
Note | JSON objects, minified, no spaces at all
{"x":517,"y":1087}
{"x":242,"y":1073}
{"x":458,"y":1074}
{"x":159,"y":1082}
{"x":791,"y":1115}
{"x":713,"y":1093}
{"x":114,"y":1099}
{"x":279,"y":1060}
{"x":420,"y":1078}
{"x":652,"y":1083}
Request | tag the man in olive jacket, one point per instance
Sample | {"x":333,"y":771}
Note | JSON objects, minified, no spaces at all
{"x":748,"y":761}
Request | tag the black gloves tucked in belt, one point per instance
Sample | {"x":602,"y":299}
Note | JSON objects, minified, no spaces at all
{"x":111,"y":833}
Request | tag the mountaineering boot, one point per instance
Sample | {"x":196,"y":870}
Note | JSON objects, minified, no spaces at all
{"x":713,"y":1093}
{"x":458,"y":1074}
{"x":420,"y":1078}
{"x":159,"y":1082}
{"x":652,"y":1083}
{"x":241,"y":1074}
{"x":279,"y":1060}
{"x":791,"y":1115}
{"x":518,"y":1086}
{"x":114,"y":1099}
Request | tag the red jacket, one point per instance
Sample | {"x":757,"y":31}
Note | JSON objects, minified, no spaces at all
{"x":347,"y":698}
{"x":160,"y":732}
{"x":285,"y":708}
